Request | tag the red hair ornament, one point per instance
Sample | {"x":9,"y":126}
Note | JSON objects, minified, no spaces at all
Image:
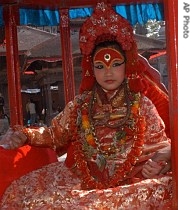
{"x":88,"y":79}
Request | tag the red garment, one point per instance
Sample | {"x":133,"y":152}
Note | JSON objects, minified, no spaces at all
{"x":16,"y":163}
{"x":56,"y":185}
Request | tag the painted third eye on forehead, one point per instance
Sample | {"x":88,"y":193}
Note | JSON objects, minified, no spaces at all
{"x":107,"y":56}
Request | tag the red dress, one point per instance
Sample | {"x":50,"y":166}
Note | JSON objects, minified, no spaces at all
{"x":72,"y":183}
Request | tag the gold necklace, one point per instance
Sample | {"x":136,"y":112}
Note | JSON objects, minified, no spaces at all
{"x":107,"y":116}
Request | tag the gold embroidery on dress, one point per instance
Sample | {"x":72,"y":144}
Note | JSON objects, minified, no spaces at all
{"x":116,"y":101}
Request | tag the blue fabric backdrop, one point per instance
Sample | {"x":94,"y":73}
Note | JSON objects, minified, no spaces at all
{"x":135,"y":13}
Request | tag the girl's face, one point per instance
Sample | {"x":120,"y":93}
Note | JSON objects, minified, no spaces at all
{"x":109,"y":68}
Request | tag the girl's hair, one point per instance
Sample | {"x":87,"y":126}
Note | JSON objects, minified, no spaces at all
{"x":109,"y":44}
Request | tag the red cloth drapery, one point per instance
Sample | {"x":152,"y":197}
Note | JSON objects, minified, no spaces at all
{"x":16,"y":163}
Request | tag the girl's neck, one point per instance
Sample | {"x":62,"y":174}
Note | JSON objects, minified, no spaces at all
{"x":110,"y":93}
{"x":107,"y":95}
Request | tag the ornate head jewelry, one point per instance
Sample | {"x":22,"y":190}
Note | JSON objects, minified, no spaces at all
{"x":107,"y":56}
{"x":106,"y":25}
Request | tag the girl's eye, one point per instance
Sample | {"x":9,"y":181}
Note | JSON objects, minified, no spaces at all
{"x":116,"y":64}
{"x":99,"y":66}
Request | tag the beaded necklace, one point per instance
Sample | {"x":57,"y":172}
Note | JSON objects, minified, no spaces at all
{"x":88,"y":181}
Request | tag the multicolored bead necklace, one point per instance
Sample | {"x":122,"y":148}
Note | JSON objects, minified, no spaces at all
{"x":121,"y":172}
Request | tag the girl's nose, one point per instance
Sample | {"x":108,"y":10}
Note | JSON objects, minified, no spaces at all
{"x":108,"y":71}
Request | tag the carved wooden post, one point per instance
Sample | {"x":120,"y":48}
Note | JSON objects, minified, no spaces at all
{"x":11,"y":14}
{"x":171,"y":17}
{"x":68,"y":71}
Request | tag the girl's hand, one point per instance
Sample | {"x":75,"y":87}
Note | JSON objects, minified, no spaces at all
{"x":160,"y":163}
{"x":152,"y":168}
{"x":13,"y":139}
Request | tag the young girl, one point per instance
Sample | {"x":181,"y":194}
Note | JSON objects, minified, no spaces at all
{"x":117,"y":149}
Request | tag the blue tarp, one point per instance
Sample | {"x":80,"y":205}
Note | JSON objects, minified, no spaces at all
{"x":135,"y":13}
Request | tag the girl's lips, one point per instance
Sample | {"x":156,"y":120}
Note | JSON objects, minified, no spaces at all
{"x":109,"y":81}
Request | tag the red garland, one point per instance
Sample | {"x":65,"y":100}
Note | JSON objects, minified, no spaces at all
{"x":88,"y":182}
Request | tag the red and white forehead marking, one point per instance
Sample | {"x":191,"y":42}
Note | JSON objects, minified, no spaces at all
{"x":107,"y":56}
